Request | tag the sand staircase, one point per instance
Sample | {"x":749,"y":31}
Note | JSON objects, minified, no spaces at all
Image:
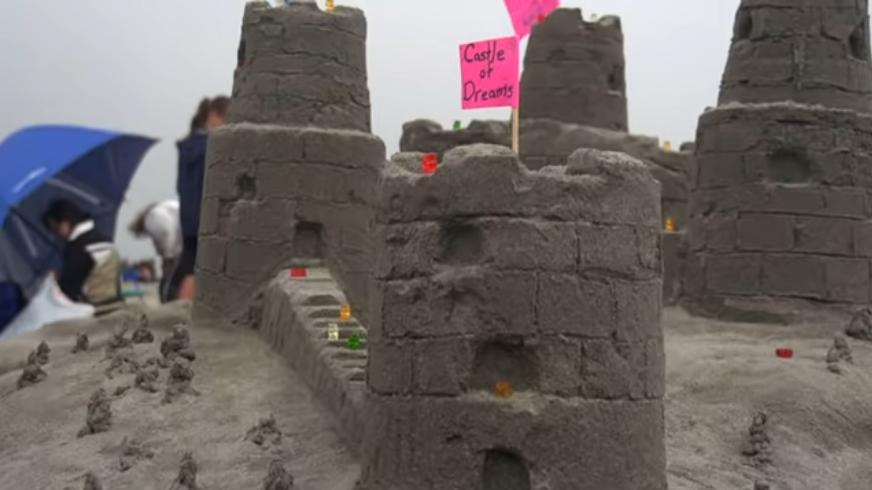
{"x":301,"y":319}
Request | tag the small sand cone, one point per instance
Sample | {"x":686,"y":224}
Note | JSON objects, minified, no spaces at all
{"x":758,"y":447}
{"x":132,"y":451}
{"x":122,"y":362}
{"x":840,"y":351}
{"x":118,"y":340}
{"x":860,"y":326}
{"x":99,"y":416}
{"x":187,"y":479}
{"x":92,"y":482}
{"x":177,"y":344}
{"x":42,"y":352}
{"x":82,"y":343}
{"x":142,"y":335}
{"x":277,"y":477}
{"x":146,"y":379}
{"x":265,"y":434}
{"x":179,"y":380}
{"x":31,"y":375}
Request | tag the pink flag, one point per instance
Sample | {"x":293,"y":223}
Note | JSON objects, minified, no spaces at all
{"x":489,"y":73}
{"x":525,"y":13}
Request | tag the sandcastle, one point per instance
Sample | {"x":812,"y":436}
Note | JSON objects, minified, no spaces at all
{"x":491,"y":278}
{"x":779,"y":206}
{"x":484,"y":292}
{"x":293,"y":173}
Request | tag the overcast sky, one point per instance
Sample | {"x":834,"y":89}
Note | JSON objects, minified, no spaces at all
{"x":143,"y":66}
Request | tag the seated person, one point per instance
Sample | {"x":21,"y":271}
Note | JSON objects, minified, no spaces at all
{"x":160,"y":222}
{"x":92,"y":267}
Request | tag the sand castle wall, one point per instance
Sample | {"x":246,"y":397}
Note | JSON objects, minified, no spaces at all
{"x":293,"y":173}
{"x":547,"y":142}
{"x":549,"y":281}
{"x":554,"y":87}
{"x":780,"y":205}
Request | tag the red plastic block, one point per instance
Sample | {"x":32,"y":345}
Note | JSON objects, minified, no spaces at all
{"x":298,"y":272}
{"x":429,"y":163}
{"x":784,"y":352}
{"x":540,"y":19}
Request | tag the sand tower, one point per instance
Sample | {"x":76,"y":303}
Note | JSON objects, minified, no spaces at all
{"x":494,"y":278}
{"x":574,"y":71}
{"x":293,"y":175}
{"x":780,"y":201}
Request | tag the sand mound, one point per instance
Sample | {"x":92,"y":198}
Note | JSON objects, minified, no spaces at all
{"x":239,"y":380}
{"x":719,"y":375}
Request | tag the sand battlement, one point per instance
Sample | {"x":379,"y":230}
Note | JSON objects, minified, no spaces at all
{"x":482,"y":180}
{"x":554,"y":87}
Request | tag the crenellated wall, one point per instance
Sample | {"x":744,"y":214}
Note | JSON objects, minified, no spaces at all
{"x":548,"y":142}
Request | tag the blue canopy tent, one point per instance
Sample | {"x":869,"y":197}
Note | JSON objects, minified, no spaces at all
{"x":91,"y":167}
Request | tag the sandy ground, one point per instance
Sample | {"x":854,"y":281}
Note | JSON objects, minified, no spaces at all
{"x":240,"y":381}
{"x":719,"y":374}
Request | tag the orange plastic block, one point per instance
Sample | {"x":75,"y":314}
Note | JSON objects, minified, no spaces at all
{"x":504,"y":389}
{"x":345,"y":312}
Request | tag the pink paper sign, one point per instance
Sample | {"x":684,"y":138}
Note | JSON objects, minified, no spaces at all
{"x":489,"y":72}
{"x":525,"y":13}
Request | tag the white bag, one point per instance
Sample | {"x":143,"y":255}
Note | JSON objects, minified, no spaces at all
{"x":48,"y":305}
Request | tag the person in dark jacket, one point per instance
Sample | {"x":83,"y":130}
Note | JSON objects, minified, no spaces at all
{"x":91,"y":271}
{"x":210,"y":114}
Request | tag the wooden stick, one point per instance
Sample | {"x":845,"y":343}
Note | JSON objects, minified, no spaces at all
{"x":516,"y":131}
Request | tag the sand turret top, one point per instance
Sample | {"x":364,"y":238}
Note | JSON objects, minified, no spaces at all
{"x":808,"y":51}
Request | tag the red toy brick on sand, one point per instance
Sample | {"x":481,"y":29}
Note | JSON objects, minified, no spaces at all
{"x":298,"y":272}
{"x":784,"y":352}
{"x":429,"y":163}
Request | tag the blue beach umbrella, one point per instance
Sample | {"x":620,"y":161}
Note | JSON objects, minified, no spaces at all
{"x":91,"y":167}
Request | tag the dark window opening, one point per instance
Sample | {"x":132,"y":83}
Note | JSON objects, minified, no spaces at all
{"x":462,"y":244}
{"x":788,"y":166}
{"x":246,"y":186}
{"x":858,"y":42}
{"x":505,"y":360}
{"x":308,"y":241}
{"x":504,"y":470}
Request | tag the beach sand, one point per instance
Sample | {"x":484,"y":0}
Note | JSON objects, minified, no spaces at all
{"x":718,"y":376}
